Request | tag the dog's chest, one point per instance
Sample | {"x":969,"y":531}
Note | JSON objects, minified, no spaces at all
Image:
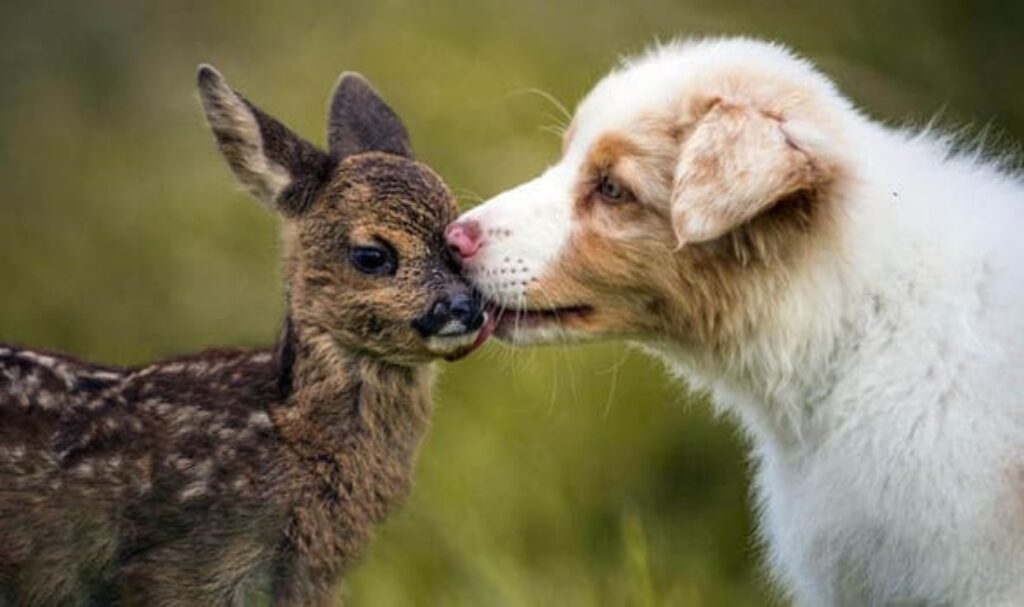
{"x":823,"y":536}
{"x":865,"y":524}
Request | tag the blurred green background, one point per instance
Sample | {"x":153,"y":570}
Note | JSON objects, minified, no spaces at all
{"x":552,"y":476}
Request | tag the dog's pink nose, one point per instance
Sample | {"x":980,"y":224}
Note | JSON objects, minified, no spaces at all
{"x":464,"y":238}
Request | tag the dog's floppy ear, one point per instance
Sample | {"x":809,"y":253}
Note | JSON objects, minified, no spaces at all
{"x":359,"y":121}
{"x":277,"y":166}
{"x":735,"y":163}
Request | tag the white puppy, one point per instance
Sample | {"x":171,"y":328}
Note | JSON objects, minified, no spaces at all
{"x":853,"y":294}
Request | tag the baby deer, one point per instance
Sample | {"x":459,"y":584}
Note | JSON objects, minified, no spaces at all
{"x":237,"y":476}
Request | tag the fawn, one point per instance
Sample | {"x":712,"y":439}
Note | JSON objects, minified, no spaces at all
{"x":237,"y":476}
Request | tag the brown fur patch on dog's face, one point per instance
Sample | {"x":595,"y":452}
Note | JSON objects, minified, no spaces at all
{"x":382,"y":200}
{"x":623,"y":258}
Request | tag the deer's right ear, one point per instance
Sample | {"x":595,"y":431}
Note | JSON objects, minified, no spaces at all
{"x":360,"y":121}
{"x":277,"y":166}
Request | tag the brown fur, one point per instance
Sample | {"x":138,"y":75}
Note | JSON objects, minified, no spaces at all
{"x":228,"y":476}
{"x":625,"y":260}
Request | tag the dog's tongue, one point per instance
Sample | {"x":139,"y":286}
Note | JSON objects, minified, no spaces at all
{"x":485,"y":332}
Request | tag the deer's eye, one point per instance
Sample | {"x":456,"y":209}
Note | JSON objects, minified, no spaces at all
{"x":611,"y":191}
{"x":373,"y":260}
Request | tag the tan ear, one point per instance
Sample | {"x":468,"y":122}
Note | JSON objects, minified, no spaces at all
{"x":277,"y":166}
{"x":734,"y":164}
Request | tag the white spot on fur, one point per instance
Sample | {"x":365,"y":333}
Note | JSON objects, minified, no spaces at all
{"x":46,"y":399}
{"x":39,"y":359}
{"x":193,"y":490}
{"x":16,"y":452}
{"x":259,"y":420}
{"x":102,"y":375}
{"x":84,"y":470}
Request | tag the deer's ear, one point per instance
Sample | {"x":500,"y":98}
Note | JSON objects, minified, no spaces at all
{"x":736,"y":163}
{"x":277,"y":166}
{"x":359,"y":121}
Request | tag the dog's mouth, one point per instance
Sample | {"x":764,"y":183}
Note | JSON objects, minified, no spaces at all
{"x":515,"y":324}
{"x":507,"y":323}
{"x":516,"y":320}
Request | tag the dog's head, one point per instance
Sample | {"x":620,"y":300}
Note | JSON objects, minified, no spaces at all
{"x":366,"y":260}
{"x":688,"y":178}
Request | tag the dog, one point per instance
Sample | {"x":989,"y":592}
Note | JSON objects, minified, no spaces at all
{"x":851,"y":293}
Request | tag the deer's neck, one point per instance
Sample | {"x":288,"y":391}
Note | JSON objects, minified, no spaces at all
{"x":353,"y":420}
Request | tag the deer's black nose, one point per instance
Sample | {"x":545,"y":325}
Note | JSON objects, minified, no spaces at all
{"x":464,"y":309}
{"x":452,"y":314}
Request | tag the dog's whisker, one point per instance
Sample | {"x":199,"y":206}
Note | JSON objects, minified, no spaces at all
{"x":468,"y":195}
{"x":558,"y":105}
{"x":558,"y":121}
{"x":615,"y":381}
{"x":563,"y":346}
{"x":554,"y":129}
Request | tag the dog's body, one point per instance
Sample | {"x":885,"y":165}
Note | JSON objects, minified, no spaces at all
{"x":852,"y":293}
{"x":886,"y":402}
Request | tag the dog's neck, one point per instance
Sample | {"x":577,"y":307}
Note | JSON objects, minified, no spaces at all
{"x":816,"y":332}
{"x":778,"y":377}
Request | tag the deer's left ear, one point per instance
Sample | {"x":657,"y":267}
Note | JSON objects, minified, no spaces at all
{"x":736,"y":163}
{"x":359,"y":121}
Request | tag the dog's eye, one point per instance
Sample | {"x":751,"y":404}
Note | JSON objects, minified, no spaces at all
{"x":373,"y":260}
{"x":611,"y":191}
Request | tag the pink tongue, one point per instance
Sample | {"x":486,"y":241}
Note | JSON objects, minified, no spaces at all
{"x":485,"y":332}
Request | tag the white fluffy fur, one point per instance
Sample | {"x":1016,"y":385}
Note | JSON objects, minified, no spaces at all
{"x":884,"y":395}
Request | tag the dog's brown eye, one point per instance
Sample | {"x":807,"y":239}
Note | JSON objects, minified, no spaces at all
{"x":611,"y":191}
{"x":373,"y":260}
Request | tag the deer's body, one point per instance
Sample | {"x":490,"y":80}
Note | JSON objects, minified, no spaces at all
{"x":247,"y":477}
{"x":117,"y":479}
